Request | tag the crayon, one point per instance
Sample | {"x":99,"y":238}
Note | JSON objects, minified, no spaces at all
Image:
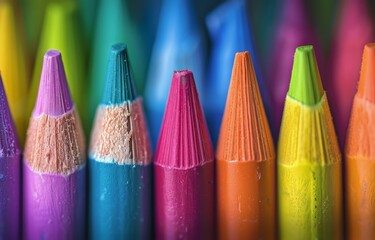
{"x":353,"y":31}
{"x":360,"y":155}
{"x":179,"y":44}
{"x":120,"y":179}
{"x":13,"y":67}
{"x":54,"y":178}
{"x":309,"y":161}
{"x":245,"y":166}
{"x":184,"y":167}
{"x":230,"y":32}
{"x":10,"y":173}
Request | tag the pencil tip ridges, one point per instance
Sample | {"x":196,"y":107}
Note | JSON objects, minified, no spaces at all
{"x":119,"y":86}
{"x":184,"y":140}
{"x":366,"y":85}
{"x":245,"y":133}
{"x":305,"y":84}
{"x":53,"y":97}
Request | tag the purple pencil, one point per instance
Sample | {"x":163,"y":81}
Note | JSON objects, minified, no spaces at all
{"x":54,"y":160}
{"x":10,"y":158}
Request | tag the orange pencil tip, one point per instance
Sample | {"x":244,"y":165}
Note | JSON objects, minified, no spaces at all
{"x":366,"y":85}
{"x":245,"y":134}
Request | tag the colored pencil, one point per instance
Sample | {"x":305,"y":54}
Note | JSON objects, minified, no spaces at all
{"x":184,"y":167}
{"x":353,"y":31}
{"x":120,"y":157}
{"x":309,"y":161}
{"x":360,"y":155}
{"x":61,"y":30}
{"x":113,"y":25}
{"x":230,"y":33}
{"x":294,"y":30}
{"x":245,"y":167}
{"x":13,"y":67}
{"x":179,"y":44}
{"x":10,"y":173}
{"x":54,"y":178}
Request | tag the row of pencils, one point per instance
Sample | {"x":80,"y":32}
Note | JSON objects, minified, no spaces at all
{"x":51,"y":187}
{"x":188,"y":193}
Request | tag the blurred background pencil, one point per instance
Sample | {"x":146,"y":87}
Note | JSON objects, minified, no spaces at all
{"x":10,"y":173}
{"x":179,"y":44}
{"x":184,"y":167}
{"x":309,"y":161}
{"x":230,"y":32}
{"x":13,"y":67}
{"x":353,"y":30}
{"x":360,"y":155}
{"x":245,"y":167}
{"x":54,"y":179}
{"x":120,"y":180}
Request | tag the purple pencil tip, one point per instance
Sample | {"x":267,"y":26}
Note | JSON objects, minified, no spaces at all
{"x":54,"y":98}
{"x":9,"y":146}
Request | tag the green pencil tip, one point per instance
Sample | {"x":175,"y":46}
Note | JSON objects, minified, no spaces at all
{"x":305,"y":83}
{"x":119,"y":85}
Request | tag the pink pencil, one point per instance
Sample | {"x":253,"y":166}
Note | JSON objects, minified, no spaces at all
{"x":354,"y":30}
{"x":184,"y":169}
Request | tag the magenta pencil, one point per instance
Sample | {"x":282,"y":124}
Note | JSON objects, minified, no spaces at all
{"x":10,"y":172}
{"x":184,"y":169}
{"x":354,"y":29}
{"x":54,"y":160}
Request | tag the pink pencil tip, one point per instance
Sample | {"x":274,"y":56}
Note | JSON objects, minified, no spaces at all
{"x":184,"y":140}
{"x":53,"y":97}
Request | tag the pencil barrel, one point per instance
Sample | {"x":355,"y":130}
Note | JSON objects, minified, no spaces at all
{"x":184,"y":202}
{"x":246,"y":196}
{"x":120,"y":198}
{"x":360,"y":198}
{"x":310,"y":201}
{"x":10,"y":198}
{"x":54,"y":205}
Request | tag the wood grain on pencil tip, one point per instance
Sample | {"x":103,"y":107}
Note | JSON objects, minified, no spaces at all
{"x":120,"y":156}
{"x":54,"y":160}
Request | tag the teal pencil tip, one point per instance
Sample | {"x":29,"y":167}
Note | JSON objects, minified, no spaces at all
{"x":119,"y":86}
{"x":305,"y":83}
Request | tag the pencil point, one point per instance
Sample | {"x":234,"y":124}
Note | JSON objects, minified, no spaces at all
{"x":184,"y":140}
{"x":366,"y":85}
{"x":53,"y":96}
{"x":305,"y":84}
{"x":245,"y":133}
{"x":119,"y":86}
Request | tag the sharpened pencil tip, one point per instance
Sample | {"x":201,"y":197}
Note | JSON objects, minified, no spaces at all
{"x":305,"y":84}
{"x":119,"y":86}
{"x":53,"y":96}
{"x":366,"y":85}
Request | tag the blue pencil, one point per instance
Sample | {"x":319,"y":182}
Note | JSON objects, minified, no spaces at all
{"x":120,"y":159}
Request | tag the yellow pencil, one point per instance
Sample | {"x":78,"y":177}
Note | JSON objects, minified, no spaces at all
{"x":309,"y":161}
{"x":13,"y":67}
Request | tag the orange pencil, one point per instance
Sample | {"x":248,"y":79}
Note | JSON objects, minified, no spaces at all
{"x":360,"y":155}
{"x":246,"y":189}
